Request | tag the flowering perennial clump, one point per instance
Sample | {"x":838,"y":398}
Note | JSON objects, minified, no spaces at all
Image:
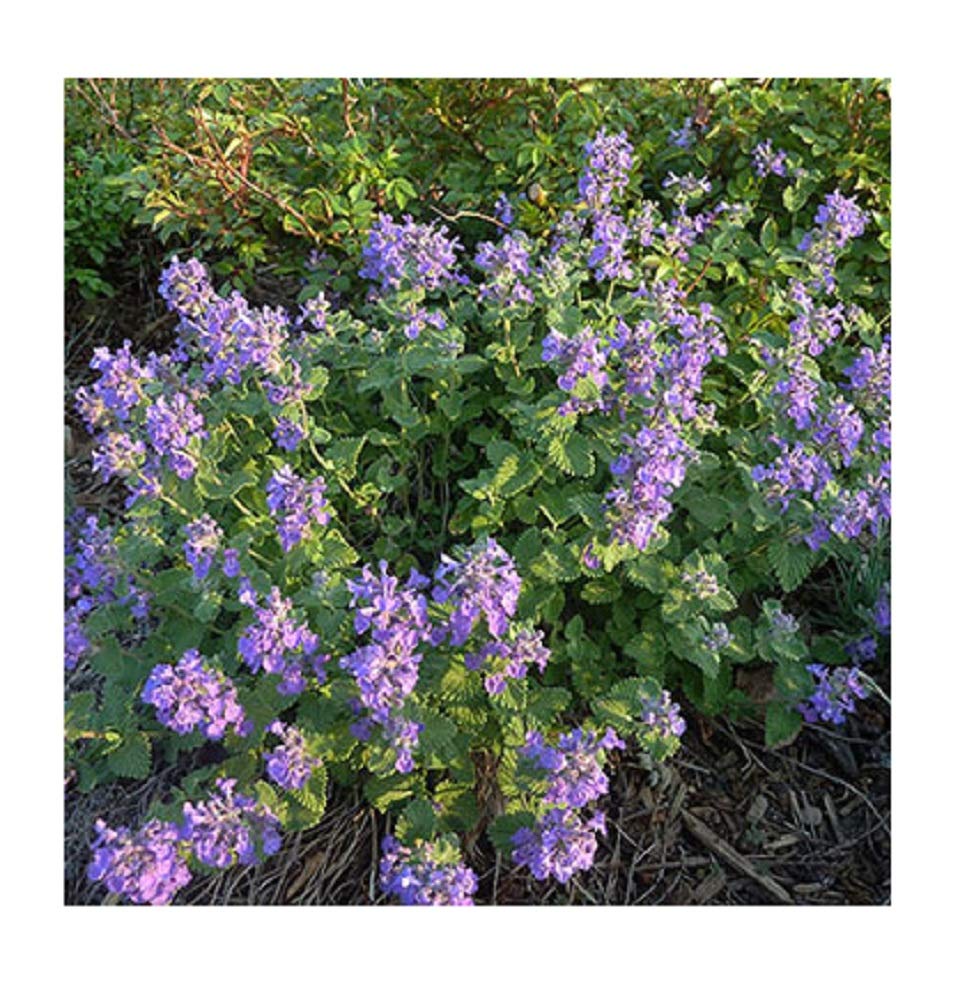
{"x":191,"y":695}
{"x":416,"y":878}
{"x":560,"y":405}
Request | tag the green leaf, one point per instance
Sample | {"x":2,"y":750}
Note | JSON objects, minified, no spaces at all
{"x":418,"y":822}
{"x":344,"y":454}
{"x":769,"y":235}
{"x":782,"y":725}
{"x":605,"y":590}
{"x":790,"y":563}
{"x":132,"y":757}
{"x":382,"y":791}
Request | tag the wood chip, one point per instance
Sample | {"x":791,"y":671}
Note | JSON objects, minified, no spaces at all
{"x":781,"y":843}
{"x":833,"y":818}
{"x":709,"y":888}
{"x":757,"y":810}
{"x":731,"y":856}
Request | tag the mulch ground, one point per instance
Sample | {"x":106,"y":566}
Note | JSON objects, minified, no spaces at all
{"x":727,"y":821}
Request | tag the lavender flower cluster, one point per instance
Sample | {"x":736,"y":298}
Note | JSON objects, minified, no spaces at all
{"x":387,"y":669}
{"x":191,"y":695}
{"x":484,"y":583}
{"x":416,"y":877}
{"x":229,"y":828}
{"x":204,"y":541}
{"x":93,"y":578}
{"x":838,"y":220}
{"x":832,"y":427}
{"x":277,"y":643}
{"x":661,"y":715}
{"x":150,"y":866}
{"x":511,"y":659}
{"x":504,"y":265}
{"x":563,"y":840}
{"x":420,"y":255}
{"x":767,"y":161}
{"x":296,"y":504}
{"x":146,"y":866}
{"x":147,"y":417}
{"x":289,"y":764}
{"x":835,"y":695}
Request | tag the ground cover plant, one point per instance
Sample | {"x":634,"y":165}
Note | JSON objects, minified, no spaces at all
{"x":488,"y":507}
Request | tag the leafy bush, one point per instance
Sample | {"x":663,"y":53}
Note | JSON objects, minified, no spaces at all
{"x":97,"y":218}
{"x":460,"y":534}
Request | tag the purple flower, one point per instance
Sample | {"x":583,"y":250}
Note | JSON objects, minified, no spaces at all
{"x":504,"y":210}
{"x":419,"y":318}
{"x":572,"y":768}
{"x":315,"y":312}
{"x":683,"y":138}
{"x":608,"y":168}
{"x":561,"y":843}
{"x":191,"y":695}
{"x":226,"y":829}
{"x":511,"y":658}
{"x":504,"y":265}
{"x":420,"y":255}
{"x":276,"y":642}
{"x":287,"y":434}
{"x":146,"y":867}
{"x":383,"y":604}
{"x":387,"y":670}
{"x":718,"y":637}
{"x":290,"y":764}
{"x":484,"y":582}
{"x":582,"y":357}
{"x":230,"y":566}
{"x":835,"y":695}
{"x":662,"y":716}
{"x":295,"y":504}
{"x":117,"y":391}
{"x":117,"y":455}
{"x":417,"y":877}
{"x":93,"y":577}
{"x":765,"y":161}
{"x":610,"y":232}
{"x":204,"y":539}
{"x":175,"y":426}
{"x":186,"y":288}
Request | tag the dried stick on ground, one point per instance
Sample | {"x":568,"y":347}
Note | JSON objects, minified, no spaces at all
{"x":728,"y":854}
